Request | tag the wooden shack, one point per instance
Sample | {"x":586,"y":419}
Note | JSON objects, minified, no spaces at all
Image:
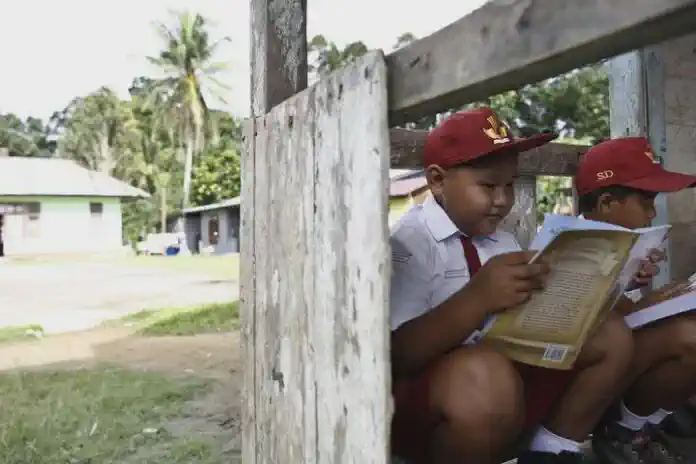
{"x":315,"y":251}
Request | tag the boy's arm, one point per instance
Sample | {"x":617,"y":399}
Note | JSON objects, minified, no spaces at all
{"x":420,"y":334}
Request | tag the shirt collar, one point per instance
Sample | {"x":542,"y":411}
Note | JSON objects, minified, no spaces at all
{"x":439,"y":223}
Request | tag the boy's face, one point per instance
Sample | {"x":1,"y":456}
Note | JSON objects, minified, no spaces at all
{"x":633,"y":212}
{"x":476,"y":196}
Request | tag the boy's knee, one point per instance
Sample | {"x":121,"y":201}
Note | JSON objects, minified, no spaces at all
{"x":611,"y":344}
{"x":478,"y":387}
{"x":682,"y":336}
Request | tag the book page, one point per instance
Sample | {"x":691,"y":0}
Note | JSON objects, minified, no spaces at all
{"x":550,"y":328}
{"x":554,"y":224}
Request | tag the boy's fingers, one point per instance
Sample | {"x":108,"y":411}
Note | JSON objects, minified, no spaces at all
{"x":517,"y":257}
{"x":530,"y":271}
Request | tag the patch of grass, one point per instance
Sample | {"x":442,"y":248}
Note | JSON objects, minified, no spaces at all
{"x":88,"y":416}
{"x":217,"y":317}
{"x":20,"y":333}
{"x":218,"y":266}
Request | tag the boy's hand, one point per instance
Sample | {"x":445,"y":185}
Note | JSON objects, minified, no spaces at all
{"x":667,"y":292}
{"x":648,"y":268}
{"x":507,"y":280}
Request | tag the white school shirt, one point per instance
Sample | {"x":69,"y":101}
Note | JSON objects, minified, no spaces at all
{"x":428,"y":263}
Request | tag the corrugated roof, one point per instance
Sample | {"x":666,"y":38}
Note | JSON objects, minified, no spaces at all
{"x":404,"y":187}
{"x":29,"y":176}
{"x":223,"y":204}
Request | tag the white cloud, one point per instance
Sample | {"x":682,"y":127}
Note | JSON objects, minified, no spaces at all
{"x":54,"y":51}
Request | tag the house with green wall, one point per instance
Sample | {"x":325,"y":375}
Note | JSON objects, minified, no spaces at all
{"x":54,"y":206}
{"x":407,"y":187}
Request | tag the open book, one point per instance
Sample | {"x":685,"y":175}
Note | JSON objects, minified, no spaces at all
{"x":592,"y":264}
{"x":681,"y":303}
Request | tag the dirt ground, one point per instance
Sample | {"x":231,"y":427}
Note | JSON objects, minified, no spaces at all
{"x":212,"y":356}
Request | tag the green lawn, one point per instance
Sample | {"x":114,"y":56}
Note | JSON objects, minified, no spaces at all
{"x":13,"y":334}
{"x":208,"y":318}
{"x":104,"y":415}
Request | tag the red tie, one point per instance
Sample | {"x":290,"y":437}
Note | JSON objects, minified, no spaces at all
{"x":473,"y":262}
{"x":471,"y":255}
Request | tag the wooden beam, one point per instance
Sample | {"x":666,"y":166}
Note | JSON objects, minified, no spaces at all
{"x":278,"y":52}
{"x":278,"y":62}
{"x":509,"y":43}
{"x":554,"y":159}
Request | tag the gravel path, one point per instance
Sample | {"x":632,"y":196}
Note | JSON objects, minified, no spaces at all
{"x":68,"y":297}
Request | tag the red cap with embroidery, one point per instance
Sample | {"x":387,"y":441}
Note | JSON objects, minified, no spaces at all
{"x":468,"y":135}
{"x":629,"y":162}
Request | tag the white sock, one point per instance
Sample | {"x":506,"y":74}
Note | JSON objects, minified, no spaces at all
{"x":546,"y":441}
{"x":631,"y":421}
{"x":658,"y":416}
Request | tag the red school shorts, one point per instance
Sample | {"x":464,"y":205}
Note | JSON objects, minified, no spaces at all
{"x":413,"y":422}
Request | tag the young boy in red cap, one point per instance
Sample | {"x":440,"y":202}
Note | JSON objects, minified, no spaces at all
{"x":457,"y":401}
{"x":617,"y":182}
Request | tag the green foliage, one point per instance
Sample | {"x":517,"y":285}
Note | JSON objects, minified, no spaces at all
{"x":216,"y":177}
{"x":30,"y":137}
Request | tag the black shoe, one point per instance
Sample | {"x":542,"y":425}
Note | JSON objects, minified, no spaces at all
{"x":659,"y":449}
{"x":614,"y":444}
{"x":682,"y":423}
{"x":537,"y":457}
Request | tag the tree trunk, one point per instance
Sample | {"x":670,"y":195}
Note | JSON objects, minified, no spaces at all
{"x":188,"y":168}
{"x":163,"y":210}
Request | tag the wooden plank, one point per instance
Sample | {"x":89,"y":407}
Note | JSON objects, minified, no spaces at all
{"x":352,"y":262}
{"x":509,"y":43}
{"x":247,"y":298}
{"x":285,"y":401}
{"x":278,"y":52}
{"x":278,"y":62}
{"x":522,"y":220}
{"x":554,"y":159}
{"x":323,"y":389}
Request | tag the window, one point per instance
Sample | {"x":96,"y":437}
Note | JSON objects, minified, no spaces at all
{"x":31,"y":220}
{"x":96,"y":209}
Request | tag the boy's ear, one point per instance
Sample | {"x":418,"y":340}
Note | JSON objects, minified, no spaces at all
{"x":435,"y":176}
{"x":604,"y":202}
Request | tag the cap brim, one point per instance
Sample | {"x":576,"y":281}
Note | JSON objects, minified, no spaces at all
{"x":522,"y":144}
{"x":662,"y":182}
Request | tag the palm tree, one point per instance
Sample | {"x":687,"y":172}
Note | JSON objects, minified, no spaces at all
{"x":187,"y":62}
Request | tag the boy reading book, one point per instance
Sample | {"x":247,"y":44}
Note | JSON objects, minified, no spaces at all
{"x":617,"y":182}
{"x":458,"y":401}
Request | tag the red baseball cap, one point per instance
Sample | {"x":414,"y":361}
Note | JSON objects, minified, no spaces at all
{"x":629,"y":162}
{"x":468,"y":135}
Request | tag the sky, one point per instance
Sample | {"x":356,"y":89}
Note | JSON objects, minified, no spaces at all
{"x":54,"y":51}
